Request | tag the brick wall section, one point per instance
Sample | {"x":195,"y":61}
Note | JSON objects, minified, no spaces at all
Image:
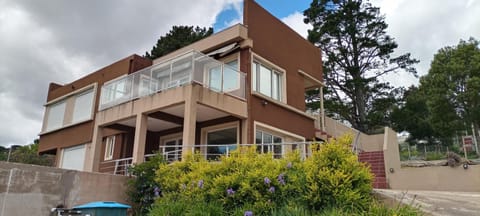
{"x":377,"y":165}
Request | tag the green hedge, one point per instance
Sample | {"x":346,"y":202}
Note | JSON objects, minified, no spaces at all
{"x":248,"y":182}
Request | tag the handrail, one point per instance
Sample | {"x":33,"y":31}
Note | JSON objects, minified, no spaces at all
{"x":210,"y":151}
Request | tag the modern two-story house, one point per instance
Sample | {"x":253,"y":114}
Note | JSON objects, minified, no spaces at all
{"x":244,"y":85}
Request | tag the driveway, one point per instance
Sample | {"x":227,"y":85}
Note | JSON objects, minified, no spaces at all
{"x":436,"y":203}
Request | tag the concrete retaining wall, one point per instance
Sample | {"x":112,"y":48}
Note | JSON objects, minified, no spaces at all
{"x":436,"y":178}
{"x":34,"y":190}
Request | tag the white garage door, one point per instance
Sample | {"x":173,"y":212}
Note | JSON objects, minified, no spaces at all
{"x":73,"y":157}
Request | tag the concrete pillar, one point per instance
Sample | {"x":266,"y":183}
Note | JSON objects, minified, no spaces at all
{"x":244,"y":131}
{"x":93,"y":151}
{"x":140,"y":138}
{"x":322,"y":110}
{"x":189,"y":123}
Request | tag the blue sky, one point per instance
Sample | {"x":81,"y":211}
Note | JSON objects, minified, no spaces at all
{"x":279,"y":8}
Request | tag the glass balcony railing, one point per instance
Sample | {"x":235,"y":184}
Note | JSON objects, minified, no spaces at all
{"x":181,"y":70}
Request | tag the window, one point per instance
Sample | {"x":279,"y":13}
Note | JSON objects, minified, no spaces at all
{"x":73,"y":158}
{"x":231,"y":77}
{"x":266,"y":81}
{"x":83,"y":106}
{"x":73,"y":108}
{"x":109,"y":147}
{"x":220,"y":142}
{"x":172,"y":150}
{"x":268,"y":143}
{"x":56,"y":113}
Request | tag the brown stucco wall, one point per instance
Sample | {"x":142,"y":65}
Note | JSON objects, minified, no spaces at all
{"x":279,"y":44}
{"x":282,"y":118}
{"x":82,"y":133}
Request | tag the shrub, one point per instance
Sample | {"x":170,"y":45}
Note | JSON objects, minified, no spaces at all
{"x":142,"y":188}
{"x":250,"y":182}
{"x":335,"y":178}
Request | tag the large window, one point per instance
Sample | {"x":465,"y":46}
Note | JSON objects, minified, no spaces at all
{"x":267,"y":142}
{"x":56,"y":113}
{"x":172,"y":150}
{"x":73,"y":108}
{"x":73,"y":158}
{"x":220,"y":142}
{"x":83,"y":106}
{"x":109,"y":148}
{"x":266,"y":81}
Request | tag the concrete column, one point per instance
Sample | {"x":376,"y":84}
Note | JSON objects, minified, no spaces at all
{"x":140,"y":138}
{"x":189,"y":123}
{"x":322,"y":110}
{"x":93,"y":151}
{"x":244,"y":131}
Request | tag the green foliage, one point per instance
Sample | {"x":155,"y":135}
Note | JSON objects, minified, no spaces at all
{"x":178,"y":37}
{"x":142,"y":188}
{"x":335,"y":178}
{"x":452,"y":85}
{"x":248,"y":181}
{"x":414,"y":116}
{"x":435,"y":156}
{"x":28,"y":154}
{"x":357,"y":52}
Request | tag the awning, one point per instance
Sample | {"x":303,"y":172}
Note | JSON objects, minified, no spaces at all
{"x":224,"y":50}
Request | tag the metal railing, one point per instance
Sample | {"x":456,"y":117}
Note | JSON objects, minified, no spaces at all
{"x":211,"y":152}
{"x":178,"y":71}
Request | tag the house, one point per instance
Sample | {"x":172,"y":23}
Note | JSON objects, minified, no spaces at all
{"x":243,"y":85}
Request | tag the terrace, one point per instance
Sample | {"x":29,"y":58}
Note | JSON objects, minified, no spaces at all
{"x":191,"y":67}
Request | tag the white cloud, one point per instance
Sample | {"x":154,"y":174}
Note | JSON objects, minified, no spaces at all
{"x":295,"y":21}
{"x":423,"y":27}
{"x":60,"y":41}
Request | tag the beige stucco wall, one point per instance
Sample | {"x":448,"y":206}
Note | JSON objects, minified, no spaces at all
{"x":367,"y":143}
{"x":34,"y":190}
{"x":440,"y":178}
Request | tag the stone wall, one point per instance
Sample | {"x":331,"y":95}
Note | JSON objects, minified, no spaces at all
{"x":35,"y":190}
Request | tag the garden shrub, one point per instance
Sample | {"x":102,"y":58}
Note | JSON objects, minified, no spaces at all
{"x":142,"y":187}
{"x":335,"y":178}
{"x":247,"y":182}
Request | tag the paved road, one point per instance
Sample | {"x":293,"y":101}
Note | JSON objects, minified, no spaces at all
{"x":438,"y":203}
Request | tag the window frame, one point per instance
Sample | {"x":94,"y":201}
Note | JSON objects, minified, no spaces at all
{"x":73,"y":121}
{"x":109,"y":147}
{"x":214,"y":128}
{"x":224,"y":63}
{"x":287,"y":137}
{"x":69,"y":100}
{"x":177,"y":137}
{"x":257,"y":62}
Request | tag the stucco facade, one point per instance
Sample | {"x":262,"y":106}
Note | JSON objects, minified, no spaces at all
{"x":243,"y":85}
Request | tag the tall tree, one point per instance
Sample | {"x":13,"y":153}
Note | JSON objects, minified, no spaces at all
{"x":357,"y":52}
{"x":178,"y":37}
{"x":453,"y":85}
{"x":413,"y":115}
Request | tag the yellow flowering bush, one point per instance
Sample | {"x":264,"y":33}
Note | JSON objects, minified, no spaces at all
{"x":249,"y":183}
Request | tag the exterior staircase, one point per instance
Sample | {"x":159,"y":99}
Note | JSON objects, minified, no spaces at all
{"x":377,"y":166}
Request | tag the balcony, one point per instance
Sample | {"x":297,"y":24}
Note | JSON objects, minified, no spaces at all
{"x":191,"y":67}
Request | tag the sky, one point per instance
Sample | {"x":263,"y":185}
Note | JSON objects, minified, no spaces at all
{"x":61,"y":41}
